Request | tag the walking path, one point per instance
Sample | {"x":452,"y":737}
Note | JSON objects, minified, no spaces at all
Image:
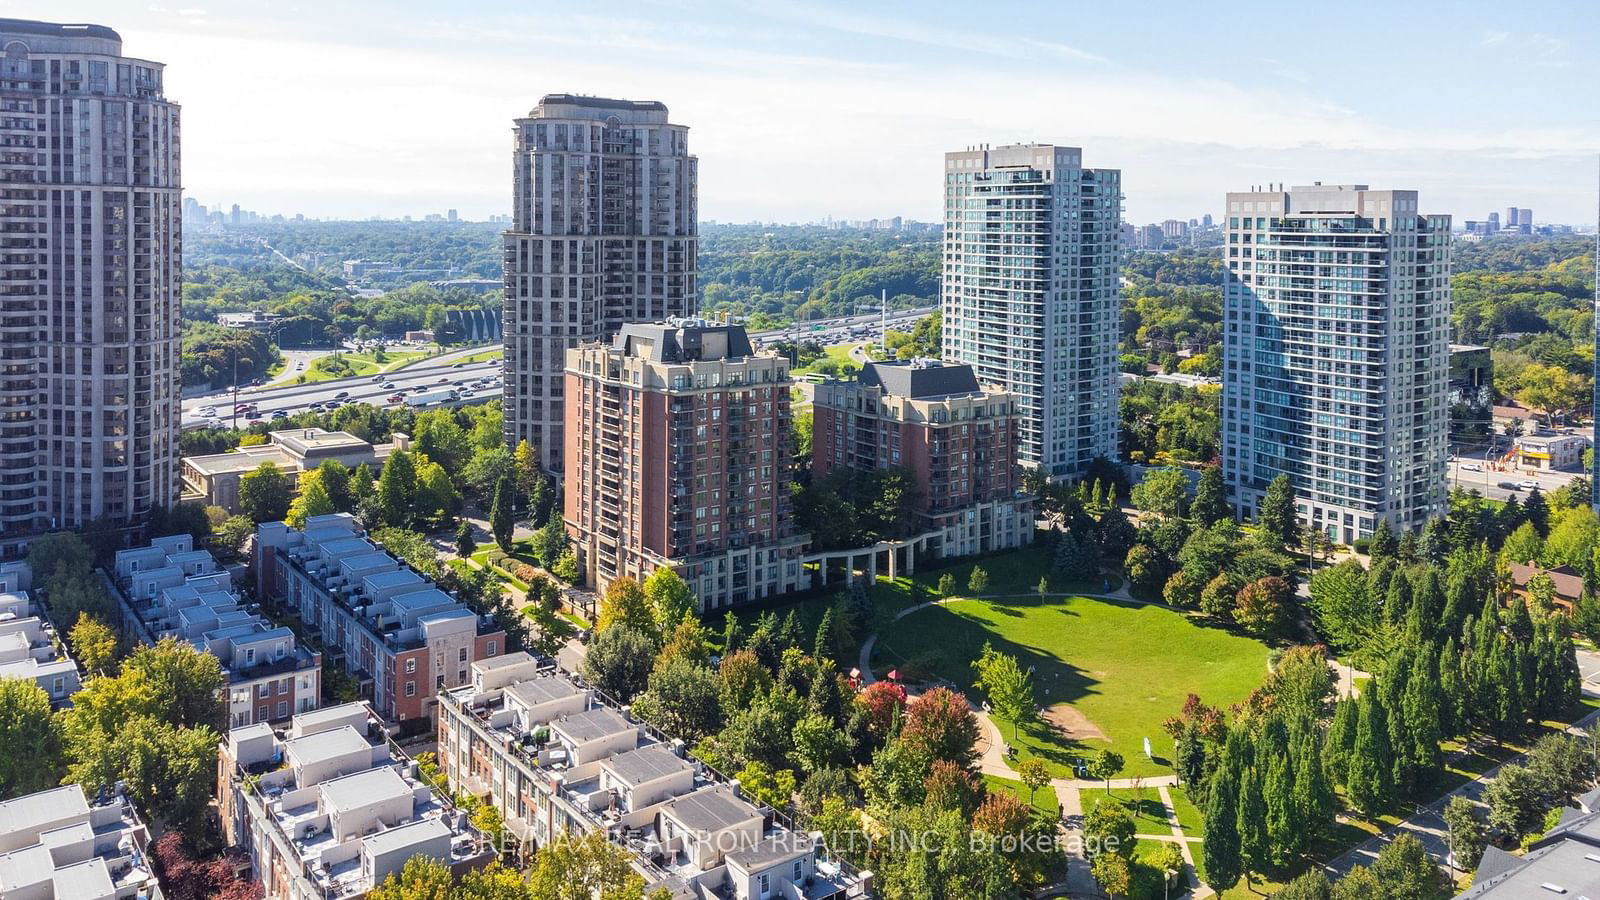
{"x":1069,"y":791}
{"x":1427,"y":824}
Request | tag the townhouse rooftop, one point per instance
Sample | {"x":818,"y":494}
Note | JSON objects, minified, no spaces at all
{"x":56,"y":843}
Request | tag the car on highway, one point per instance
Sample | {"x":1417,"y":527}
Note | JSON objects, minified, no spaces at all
{"x":342,"y":395}
{"x":243,"y":407}
{"x":387,"y":385}
{"x":212,"y":422}
{"x":253,"y":420}
{"x":280,"y":414}
{"x":1471,"y":467}
{"x":397,"y":398}
{"x":1527,"y":484}
{"x":206,"y":412}
{"x":464,"y":392}
{"x":443,"y":379}
{"x":378,"y":379}
{"x":1509,"y":486}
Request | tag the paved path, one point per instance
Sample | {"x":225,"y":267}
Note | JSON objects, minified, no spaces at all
{"x":1427,"y":825}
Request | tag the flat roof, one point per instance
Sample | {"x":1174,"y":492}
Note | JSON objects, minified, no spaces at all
{"x":89,"y":878}
{"x":402,"y":836}
{"x":247,"y":460}
{"x":36,"y":810}
{"x":363,"y":788}
{"x":711,"y":809}
{"x":313,"y":440}
{"x":325,"y":745}
{"x":646,"y":764}
{"x":776,"y":849}
{"x":543,"y":689}
{"x":593,"y":724}
{"x":515,"y":657}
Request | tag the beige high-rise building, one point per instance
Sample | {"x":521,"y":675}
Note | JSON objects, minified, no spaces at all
{"x":603,"y":233}
{"x":90,"y":273}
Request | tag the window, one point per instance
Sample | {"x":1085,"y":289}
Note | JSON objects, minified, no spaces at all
{"x":764,"y":888}
{"x":283,"y":708}
{"x":463,"y":654}
{"x":58,"y":686}
{"x":261,"y":714}
{"x":798,"y":868}
{"x":411,"y":666}
{"x":264,"y":689}
{"x":411,"y":689}
{"x":490,"y":648}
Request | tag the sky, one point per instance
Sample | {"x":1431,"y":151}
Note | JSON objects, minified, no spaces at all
{"x":803,"y":109}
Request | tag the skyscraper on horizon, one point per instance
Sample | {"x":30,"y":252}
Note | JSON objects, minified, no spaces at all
{"x":603,"y":233}
{"x":1031,"y":296}
{"x":1336,"y":329}
{"x":90,"y":322}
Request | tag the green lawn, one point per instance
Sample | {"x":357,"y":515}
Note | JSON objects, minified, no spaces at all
{"x":1124,"y":667}
{"x":1044,"y":800}
{"x":1189,"y":816}
{"x":326,"y":369}
{"x":839,"y":352}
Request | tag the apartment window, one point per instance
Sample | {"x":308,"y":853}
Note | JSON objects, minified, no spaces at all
{"x":411,"y":666}
{"x":463,"y":654}
{"x":261,"y":714}
{"x":411,"y":689}
{"x":438,"y":682}
{"x":764,"y":888}
{"x":491,"y":648}
{"x":58,"y":686}
{"x":283,"y":708}
{"x":264,"y":689}
{"x":249,"y":655}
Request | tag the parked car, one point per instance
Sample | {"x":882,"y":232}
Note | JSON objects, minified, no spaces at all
{"x":1471,"y":467}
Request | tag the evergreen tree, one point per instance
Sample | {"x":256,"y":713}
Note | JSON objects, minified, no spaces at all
{"x":1452,"y":690}
{"x":1342,"y":737}
{"x":1434,"y":546}
{"x":1220,"y":849}
{"x":861,"y":606}
{"x":1255,"y":848}
{"x":500,"y":521}
{"x":1276,"y":515}
{"x":1421,"y":704}
{"x":1518,"y":620}
{"x":790,"y":634}
{"x":1510,"y":517}
{"x":1069,"y":557}
{"x":730,"y":632}
{"x":829,"y":643}
{"x":1407,"y":551}
{"x":1369,"y":783}
{"x":1284,"y":828}
{"x":1313,"y":795}
{"x":1537,"y":512}
{"x":1210,"y":498}
{"x":1384,"y":543}
{"x":1398,"y":600}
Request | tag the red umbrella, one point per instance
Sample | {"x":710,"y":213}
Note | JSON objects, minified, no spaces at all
{"x":894,"y":675}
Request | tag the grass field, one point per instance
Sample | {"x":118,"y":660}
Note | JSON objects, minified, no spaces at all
{"x":1044,"y":800}
{"x":1123,"y":667}
{"x":839,"y":352}
{"x":359,"y":364}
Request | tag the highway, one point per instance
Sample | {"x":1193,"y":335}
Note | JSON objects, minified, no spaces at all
{"x":837,"y":331}
{"x":362,"y":389}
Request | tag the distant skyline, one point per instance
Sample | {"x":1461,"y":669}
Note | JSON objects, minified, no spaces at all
{"x":359,"y":109}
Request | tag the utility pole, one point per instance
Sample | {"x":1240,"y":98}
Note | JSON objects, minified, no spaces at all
{"x":235,"y":388}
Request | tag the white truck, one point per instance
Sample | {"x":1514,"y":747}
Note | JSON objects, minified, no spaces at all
{"x":433,"y":398}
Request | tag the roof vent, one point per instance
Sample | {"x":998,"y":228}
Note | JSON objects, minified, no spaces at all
{"x":1553,"y":888}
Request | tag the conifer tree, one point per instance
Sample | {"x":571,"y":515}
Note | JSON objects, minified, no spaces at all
{"x":1284,"y":828}
{"x":1255,"y":848}
{"x":1384,"y":543}
{"x":1398,"y":601}
{"x":1342,"y":738}
{"x":1422,"y":703}
{"x":1220,"y":850}
{"x":1368,"y":783}
{"x":1535,"y":510}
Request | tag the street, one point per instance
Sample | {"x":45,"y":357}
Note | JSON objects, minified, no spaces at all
{"x":1488,"y":483}
{"x":361,"y":388}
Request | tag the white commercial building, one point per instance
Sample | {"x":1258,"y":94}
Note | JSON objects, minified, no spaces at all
{"x":602,"y":234}
{"x":92,"y":267}
{"x":1031,"y":295}
{"x":1336,"y":317}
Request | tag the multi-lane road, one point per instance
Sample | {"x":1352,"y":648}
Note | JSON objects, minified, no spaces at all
{"x":1469,"y":473}
{"x":360,"y":389}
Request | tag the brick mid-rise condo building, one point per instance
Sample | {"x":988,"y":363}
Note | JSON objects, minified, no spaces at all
{"x":170,"y":589}
{"x":958,"y":438}
{"x":679,"y":454}
{"x":394,"y":630}
{"x":1336,"y":315}
{"x":602,"y":233}
{"x":89,"y":319}
{"x":555,"y":758}
{"x":328,"y":807}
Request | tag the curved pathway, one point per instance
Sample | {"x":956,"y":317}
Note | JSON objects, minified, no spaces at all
{"x":1069,"y":791}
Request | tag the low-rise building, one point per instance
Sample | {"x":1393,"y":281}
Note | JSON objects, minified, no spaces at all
{"x":1551,"y":451}
{"x":30,"y":648}
{"x":1565,"y":581}
{"x":170,"y":589}
{"x":957,"y":437}
{"x":328,"y":807}
{"x":214,"y":480}
{"x":678,"y":454}
{"x":395,"y":631}
{"x":56,"y":845}
{"x":555,"y":758}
